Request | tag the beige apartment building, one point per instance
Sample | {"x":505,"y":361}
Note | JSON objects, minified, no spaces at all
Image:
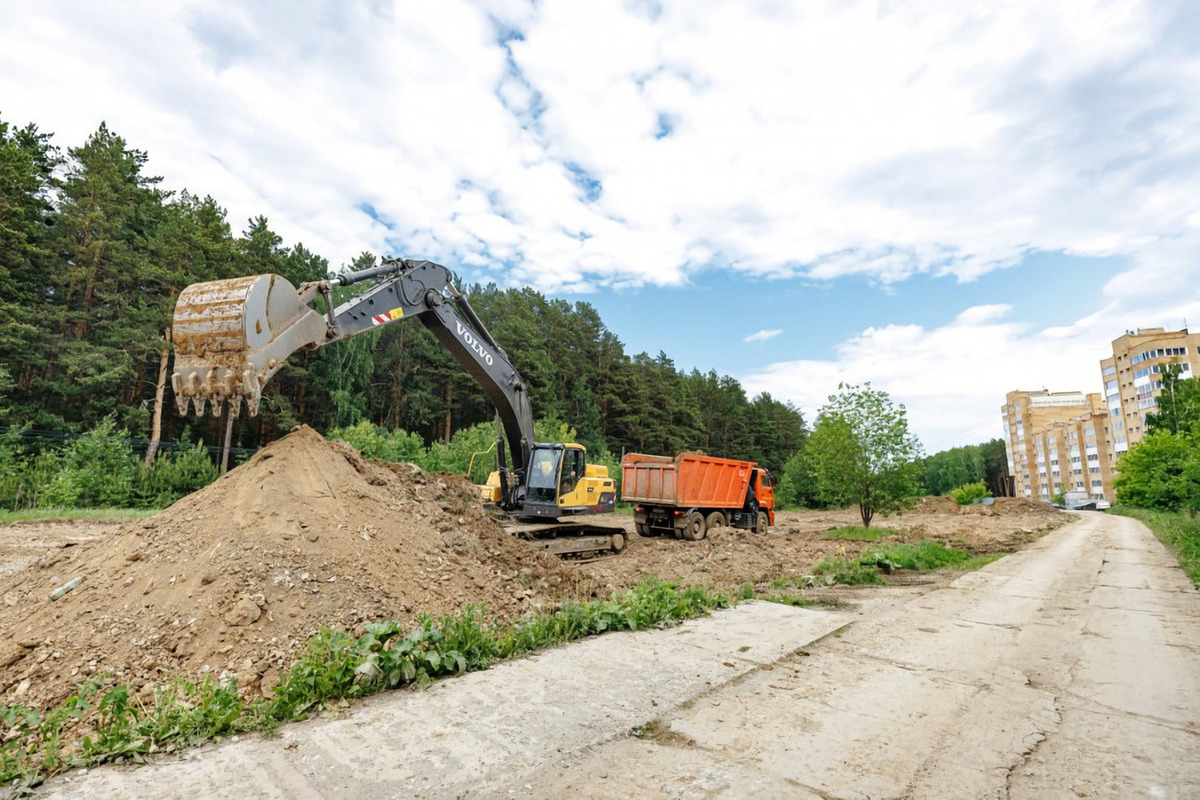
{"x":1058,"y":442}
{"x":1133,"y":378}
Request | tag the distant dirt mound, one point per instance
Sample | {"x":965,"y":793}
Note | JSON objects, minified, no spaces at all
{"x":1000,"y":505}
{"x":234,"y":578}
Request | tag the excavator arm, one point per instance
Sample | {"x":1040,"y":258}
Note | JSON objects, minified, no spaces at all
{"x":231,"y":336}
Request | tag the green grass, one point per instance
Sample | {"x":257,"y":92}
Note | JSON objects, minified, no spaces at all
{"x":1179,"y":532}
{"x":923,"y":556}
{"x":847,"y":571}
{"x":857,"y":533}
{"x":76,"y":515}
{"x":799,"y":601}
{"x":979,"y":561}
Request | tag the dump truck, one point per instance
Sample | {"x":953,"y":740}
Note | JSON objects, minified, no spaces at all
{"x":692,"y":493}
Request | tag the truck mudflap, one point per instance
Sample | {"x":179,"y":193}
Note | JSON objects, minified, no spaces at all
{"x":570,"y":537}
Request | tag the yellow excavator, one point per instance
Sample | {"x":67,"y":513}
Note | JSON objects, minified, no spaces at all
{"x":231,"y":336}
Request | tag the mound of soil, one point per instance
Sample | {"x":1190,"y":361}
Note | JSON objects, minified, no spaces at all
{"x":999,"y":506}
{"x":234,"y":578}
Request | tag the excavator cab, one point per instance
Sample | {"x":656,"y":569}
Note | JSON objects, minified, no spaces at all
{"x":560,"y":482}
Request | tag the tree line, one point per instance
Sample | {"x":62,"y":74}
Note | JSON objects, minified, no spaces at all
{"x":94,"y":251}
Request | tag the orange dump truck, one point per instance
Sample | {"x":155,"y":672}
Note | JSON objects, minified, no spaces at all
{"x":689,"y":494}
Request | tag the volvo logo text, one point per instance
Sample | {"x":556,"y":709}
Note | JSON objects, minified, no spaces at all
{"x":473,"y":343}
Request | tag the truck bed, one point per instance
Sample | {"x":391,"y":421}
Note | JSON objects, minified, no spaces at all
{"x":687,"y":480}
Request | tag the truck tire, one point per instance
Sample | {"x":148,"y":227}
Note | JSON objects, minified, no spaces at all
{"x":761,"y":523}
{"x":643,"y":528}
{"x":694,"y":528}
{"x":715,"y":519}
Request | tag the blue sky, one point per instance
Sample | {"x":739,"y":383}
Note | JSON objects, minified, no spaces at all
{"x":948,"y":200}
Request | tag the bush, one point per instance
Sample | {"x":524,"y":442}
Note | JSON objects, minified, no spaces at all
{"x":378,"y":444}
{"x":1162,"y":472}
{"x":173,"y":476}
{"x":970,"y":492}
{"x":98,"y":469}
{"x":22,"y":477}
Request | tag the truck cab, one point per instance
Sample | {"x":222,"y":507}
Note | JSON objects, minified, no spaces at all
{"x":764,"y":492}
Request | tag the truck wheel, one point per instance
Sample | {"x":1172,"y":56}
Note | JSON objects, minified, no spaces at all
{"x":761,"y":523}
{"x":715,"y":520}
{"x":643,"y":529}
{"x":693,"y":527}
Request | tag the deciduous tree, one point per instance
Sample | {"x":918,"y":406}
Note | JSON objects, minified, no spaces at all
{"x":862,"y":453}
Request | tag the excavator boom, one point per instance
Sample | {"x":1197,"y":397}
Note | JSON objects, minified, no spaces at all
{"x":231,"y":336}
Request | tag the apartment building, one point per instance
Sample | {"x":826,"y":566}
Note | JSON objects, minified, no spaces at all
{"x":1132,"y":378}
{"x":1058,"y":442}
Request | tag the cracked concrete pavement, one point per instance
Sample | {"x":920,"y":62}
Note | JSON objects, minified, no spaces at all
{"x":1071,"y":668}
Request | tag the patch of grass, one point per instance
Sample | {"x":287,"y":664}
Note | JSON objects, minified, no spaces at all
{"x":793,"y":600}
{"x":857,"y":533}
{"x":976,"y":562}
{"x":113,"y":724}
{"x":847,"y":571}
{"x":925,"y":555}
{"x":1178,"y":531}
{"x":76,"y":515}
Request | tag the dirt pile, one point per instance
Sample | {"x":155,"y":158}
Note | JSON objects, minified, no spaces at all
{"x":998,"y":506}
{"x":236,"y":577}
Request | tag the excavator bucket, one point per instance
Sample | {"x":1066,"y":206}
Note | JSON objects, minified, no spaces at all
{"x":231,"y":336}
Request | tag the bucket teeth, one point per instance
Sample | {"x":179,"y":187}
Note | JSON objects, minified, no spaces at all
{"x":231,"y":336}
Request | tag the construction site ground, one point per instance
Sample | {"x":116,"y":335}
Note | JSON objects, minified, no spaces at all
{"x":1068,"y":669}
{"x":233,"y":579}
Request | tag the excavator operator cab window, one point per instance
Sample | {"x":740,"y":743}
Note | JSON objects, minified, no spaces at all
{"x":572,"y":471}
{"x":543,"y":475}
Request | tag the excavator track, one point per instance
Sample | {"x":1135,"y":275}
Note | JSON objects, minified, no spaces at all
{"x":569,"y":538}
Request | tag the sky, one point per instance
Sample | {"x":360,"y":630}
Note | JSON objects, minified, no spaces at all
{"x":947,"y":200}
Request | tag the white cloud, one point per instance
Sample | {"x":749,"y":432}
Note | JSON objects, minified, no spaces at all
{"x":952,"y":379}
{"x":762,"y":336}
{"x":817,"y":140}
{"x":822,"y":140}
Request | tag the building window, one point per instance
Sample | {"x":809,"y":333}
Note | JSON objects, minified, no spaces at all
{"x":1109,"y":370}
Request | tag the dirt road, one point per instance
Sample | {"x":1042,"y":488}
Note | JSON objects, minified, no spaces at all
{"x":1071,"y":668}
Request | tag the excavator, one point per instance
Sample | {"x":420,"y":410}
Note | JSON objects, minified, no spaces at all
{"x":230,"y":337}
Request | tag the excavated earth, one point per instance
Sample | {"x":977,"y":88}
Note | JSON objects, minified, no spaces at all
{"x":234,"y":579}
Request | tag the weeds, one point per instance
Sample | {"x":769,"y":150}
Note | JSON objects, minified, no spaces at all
{"x":795,"y":600}
{"x":923,"y":556}
{"x":847,"y":571}
{"x":75,"y":514}
{"x":857,"y":533}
